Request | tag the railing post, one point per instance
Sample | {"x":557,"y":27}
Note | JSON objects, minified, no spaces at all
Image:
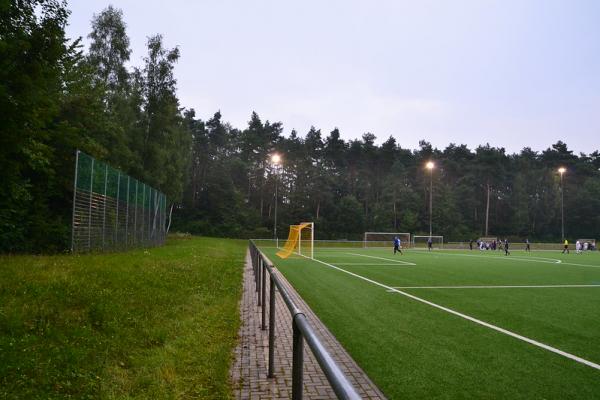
{"x":255,"y":271}
{"x":271,"y":326}
{"x":297,"y":361}
{"x":263,"y":293}
{"x":258,"y":281}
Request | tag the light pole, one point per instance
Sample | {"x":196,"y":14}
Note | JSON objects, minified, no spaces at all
{"x":430,"y":165}
{"x":276,"y":160}
{"x":562,"y":171}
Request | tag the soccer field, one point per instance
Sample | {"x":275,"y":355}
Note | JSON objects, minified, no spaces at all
{"x":460,"y":324}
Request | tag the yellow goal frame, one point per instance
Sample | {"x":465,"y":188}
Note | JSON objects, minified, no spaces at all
{"x":294,"y":243}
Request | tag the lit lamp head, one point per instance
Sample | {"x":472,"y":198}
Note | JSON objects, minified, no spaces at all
{"x":276,"y":159}
{"x":562,"y":170}
{"x":430,"y":165}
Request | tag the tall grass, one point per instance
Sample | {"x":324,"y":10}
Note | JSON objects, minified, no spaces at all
{"x":156,"y":323}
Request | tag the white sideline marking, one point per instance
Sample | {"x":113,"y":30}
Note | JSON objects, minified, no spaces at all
{"x":496,"y":287}
{"x":350,"y":263}
{"x":472,"y":319}
{"x":382,"y":258}
{"x":529,"y":259}
{"x":581,"y":265}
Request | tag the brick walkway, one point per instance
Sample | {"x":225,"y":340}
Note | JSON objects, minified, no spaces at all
{"x":249,"y":373}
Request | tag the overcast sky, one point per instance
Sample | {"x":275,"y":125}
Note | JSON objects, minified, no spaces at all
{"x":511,"y":73}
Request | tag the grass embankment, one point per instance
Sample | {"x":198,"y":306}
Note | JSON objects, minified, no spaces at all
{"x":155,"y":323}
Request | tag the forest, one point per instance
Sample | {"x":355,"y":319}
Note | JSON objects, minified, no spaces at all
{"x":56,"y":97}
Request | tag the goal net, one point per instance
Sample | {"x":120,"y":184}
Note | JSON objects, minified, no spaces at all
{"x":300,"y":241}
{"x":420,"y":241}
{"x":385,"y":239}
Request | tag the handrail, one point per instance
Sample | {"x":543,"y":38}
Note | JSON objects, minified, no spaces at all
{"x":302,"y":331}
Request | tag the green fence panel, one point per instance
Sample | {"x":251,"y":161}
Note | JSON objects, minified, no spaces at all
{"x":114,"y":211}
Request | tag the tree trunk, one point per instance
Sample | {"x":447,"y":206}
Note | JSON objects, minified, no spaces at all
{"x":395,"y":217}
{"x":487,"y":210}
{"x":318,"y":208}
{"x":170,"y":215}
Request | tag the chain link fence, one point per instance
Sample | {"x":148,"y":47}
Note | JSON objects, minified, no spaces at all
{"x":113,"y":211}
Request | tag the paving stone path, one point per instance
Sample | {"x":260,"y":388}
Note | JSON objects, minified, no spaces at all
{"x":249,"y":373}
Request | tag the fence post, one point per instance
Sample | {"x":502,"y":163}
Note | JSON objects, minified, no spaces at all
{"x":117,"y":217}
{"x":104,"y":211}
{"x":297,"y":361}
{"x":127,"y":215}
{"x":271,"y":326}
{"x":143,"y":217}
{"x":74,"y":200}
{"x":135,"y":229}
{"x":90,"y":208}
{"x":263,"y":293}
{"x":148,"y":234}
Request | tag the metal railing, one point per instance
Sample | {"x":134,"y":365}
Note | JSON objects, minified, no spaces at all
{"x":302,"y":331}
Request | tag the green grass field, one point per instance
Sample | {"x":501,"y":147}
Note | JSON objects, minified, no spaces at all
{"x":155,"y":323}
{"x":414,"y":349}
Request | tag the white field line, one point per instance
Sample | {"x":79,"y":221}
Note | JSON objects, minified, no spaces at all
{"x":497,"y":287}
{"x":529,"y":259}
{"x":351,"y":263}
{"x":469,"y":318}
{"x":383,"y":258}
{"x":580,"y":265}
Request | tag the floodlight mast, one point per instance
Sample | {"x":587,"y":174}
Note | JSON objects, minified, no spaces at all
{"x":430,"y":166}
{"x":276,"y":162}
{"x":562,"y":171}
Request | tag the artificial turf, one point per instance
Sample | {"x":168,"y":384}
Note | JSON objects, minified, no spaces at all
{"x":413,"y":350}
{"x":148,"y":323}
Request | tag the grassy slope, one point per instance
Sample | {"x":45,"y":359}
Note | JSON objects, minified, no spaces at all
{"x":156,"y":323}
{"x":414,"y":351}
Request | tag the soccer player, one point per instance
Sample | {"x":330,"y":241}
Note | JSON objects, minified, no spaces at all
{"x":527,"y":246}
{"x":577,"y":247}
{"x":397,"y":245}
{"x":506,"y":252}
{"x":429,"y":244}
{"x":566,"y":247}
{"x":471,"y":244}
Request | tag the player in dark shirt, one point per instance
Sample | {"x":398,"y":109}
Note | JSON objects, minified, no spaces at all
{"x":471,"y":244}
{"x":506,"y":252}
{"x":429,"y":244}
{"x":397,"y":247}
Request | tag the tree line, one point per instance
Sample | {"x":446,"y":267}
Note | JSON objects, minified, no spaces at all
{"x":55,"y":98}
{"x":349,"y":187}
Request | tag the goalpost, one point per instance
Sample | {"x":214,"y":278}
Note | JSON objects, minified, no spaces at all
{"x":300,"y":241}
{"x":420,"y":241}
{"x":385,"y":239}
